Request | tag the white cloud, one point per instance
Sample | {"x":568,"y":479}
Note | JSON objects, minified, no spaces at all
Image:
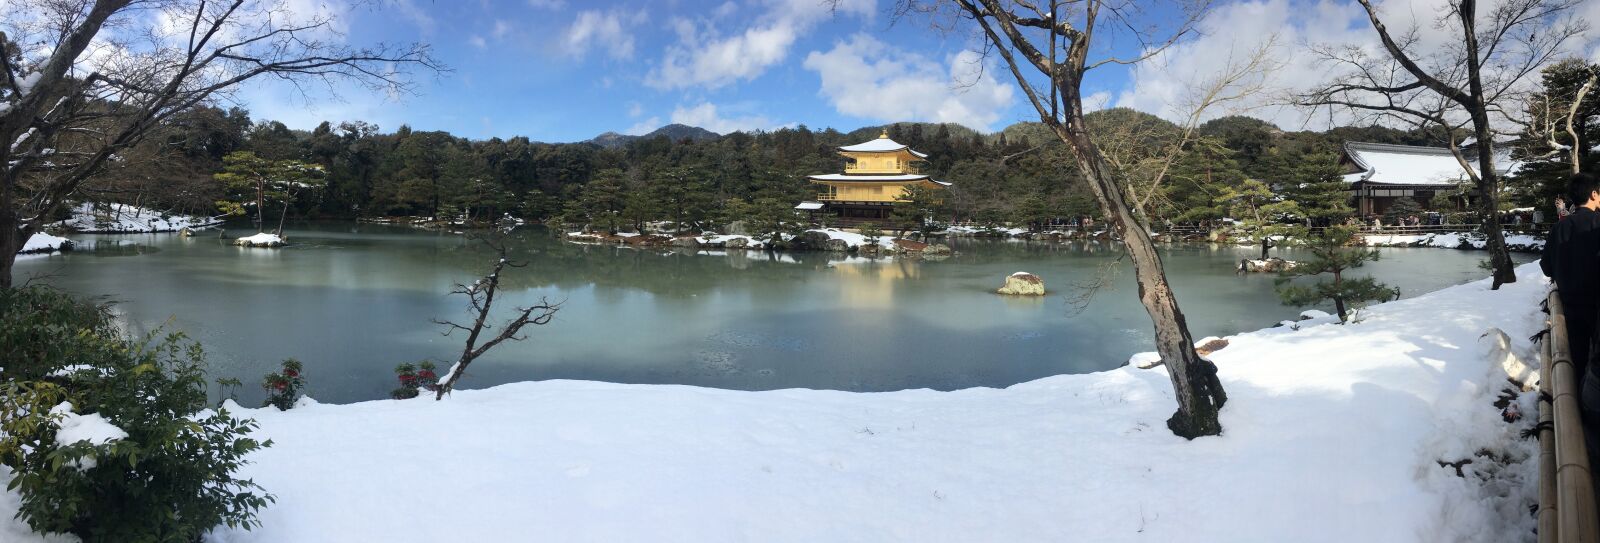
{"x":477,"y":41}
{"x":409,"y":11}
{"x":609,"y":30}
{"x":635,"y":109}
{"x":706,"y":116}
{"x":866,"y":78}
{"x":643,"y":127}
{"x":1231,"y":31}
{"x":502,"y":28}
{"x":552,"y":5}
{"x":706,"y":57}
{"x":1096,"y":101}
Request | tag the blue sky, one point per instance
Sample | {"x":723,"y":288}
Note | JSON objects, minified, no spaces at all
{"x":566,"y":70}
{"x":557,"y":70}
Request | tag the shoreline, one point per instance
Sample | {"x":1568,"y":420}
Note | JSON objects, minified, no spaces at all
{"x":1364,"y":411}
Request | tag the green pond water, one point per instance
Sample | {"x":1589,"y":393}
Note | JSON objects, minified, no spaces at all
{"x":353,"y":300}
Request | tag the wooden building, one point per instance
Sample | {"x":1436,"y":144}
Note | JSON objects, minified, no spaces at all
{"x":877,"y":173}
{"x":1381,"y":173}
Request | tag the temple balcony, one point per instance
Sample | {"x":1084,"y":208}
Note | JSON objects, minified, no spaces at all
{"x":882,"y":169}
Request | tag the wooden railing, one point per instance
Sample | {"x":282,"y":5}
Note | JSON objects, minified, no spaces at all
{"x":1566,"y":489}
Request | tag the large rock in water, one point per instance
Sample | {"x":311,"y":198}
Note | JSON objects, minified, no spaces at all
{"x":837,"y":245}
{"x":1023,"y":284}
{"x":737,"y":243}
{"x":936,"y":249}
{"x":809,"y":240}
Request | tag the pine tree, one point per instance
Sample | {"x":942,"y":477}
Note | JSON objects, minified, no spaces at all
{"x":1332,"y":255}
{"x":1318,"y":188}
{"x":1257,"y":210}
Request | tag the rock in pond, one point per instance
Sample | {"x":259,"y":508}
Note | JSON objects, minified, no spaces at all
{"x":1023,"y":284}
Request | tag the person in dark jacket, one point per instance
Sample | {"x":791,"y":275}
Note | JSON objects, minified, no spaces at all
{"x":1572,"y":259}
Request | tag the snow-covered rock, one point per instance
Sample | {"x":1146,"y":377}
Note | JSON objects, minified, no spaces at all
{"x":260,"y":240}
{"x":1023,"y":284}
{"x":1270,"y":265}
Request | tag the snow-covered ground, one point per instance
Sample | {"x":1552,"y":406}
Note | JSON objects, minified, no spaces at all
{"x":45,"y":243}
{"x":1332,"y":433}
{"x":125,"y":219}
{"x":1452,"y":240}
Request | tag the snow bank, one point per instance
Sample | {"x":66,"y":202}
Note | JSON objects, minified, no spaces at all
{"x":1452,"y":240}
{"x":45,"y":243}
{"x":1333,"y":433}
{"x":126,"y":219}
{"x":984,"y":230}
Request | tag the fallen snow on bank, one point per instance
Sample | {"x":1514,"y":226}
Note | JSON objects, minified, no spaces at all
{"x":1516,"y":242}
{"x":855,"y":240}
{"x":127,"y":219}
{"x":985,"y":230}
{"x":1332,"y":434}
{"x":45,"y":243}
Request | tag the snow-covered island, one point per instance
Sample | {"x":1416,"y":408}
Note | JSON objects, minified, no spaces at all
{"x":262,"y":239}
{"x":1332,"y":433}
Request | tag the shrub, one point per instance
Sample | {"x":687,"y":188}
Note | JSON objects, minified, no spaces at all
{"x":413,"y":379}
{"x":1332,"y":256}
{"x":283,"y":387}
{"x":108,"y":438}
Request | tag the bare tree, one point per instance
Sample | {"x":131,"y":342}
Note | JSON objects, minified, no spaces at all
{"x":1558,"y":124}
{"x":1144,"y":153}
{"x":480,"y":298}
{"x":1465,"y":85}
{"x":1046,"y":47}
{"x":81,"y":81}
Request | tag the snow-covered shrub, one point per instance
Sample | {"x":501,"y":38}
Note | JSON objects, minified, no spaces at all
{"x":108,"y":438}
{"x":413,"y":379}
{"x":283,"y":386}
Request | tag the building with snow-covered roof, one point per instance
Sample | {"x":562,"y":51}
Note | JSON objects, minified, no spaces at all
{"x":877,"y":174}
{"x":1380,"y":174}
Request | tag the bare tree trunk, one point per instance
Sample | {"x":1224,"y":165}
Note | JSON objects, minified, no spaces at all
{"x":11,"y":241}
{"x":1194,"y":379}
{"x":261,"y":205}
{"x":1488,"y":179}
{"x":1578,"y":145}
{"x":282,"y":217}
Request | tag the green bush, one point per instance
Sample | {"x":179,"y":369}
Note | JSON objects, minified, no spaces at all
{"x":165,"y":473}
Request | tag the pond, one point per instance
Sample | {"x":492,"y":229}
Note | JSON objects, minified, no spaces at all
{"x":353,"y":300}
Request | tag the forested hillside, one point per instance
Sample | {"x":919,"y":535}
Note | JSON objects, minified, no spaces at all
{"x":1019,"y":174}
